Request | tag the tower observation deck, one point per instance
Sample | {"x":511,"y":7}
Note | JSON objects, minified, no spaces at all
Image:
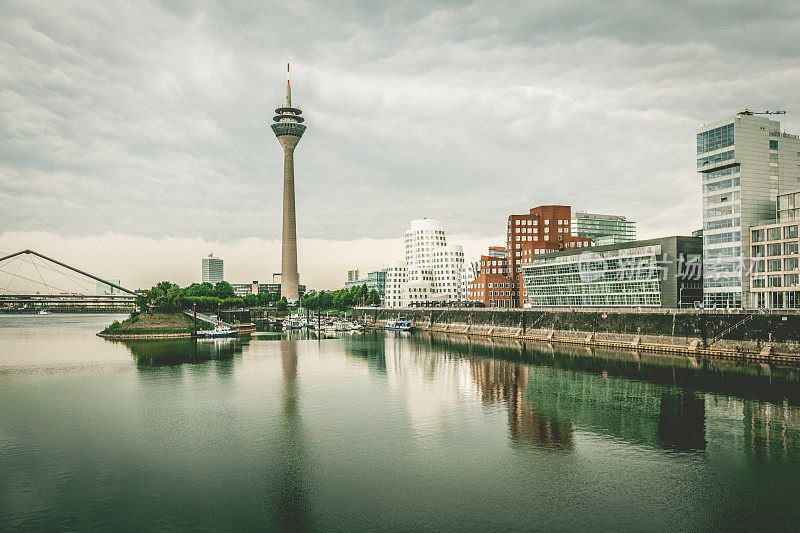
{"x":288,"y":128}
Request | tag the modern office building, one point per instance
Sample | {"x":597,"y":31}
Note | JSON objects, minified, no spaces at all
{"x":288,"y":128}
{"x":664,"y":272}
{"x":352,"y":275}
{"x":775,"y":273}
{"x":603,"y":229}
{"x":544,"y":229}
{"x":211,"y":270}
{"x":244,"y":289}
{"x":375,"y":280}
{"x":432,"y":269}
{"x":744,"y":162}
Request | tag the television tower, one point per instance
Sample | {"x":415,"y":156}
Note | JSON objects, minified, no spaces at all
{"x":288,"y":129}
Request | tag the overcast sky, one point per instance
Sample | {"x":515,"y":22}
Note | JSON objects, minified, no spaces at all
{"x":134,"y":137}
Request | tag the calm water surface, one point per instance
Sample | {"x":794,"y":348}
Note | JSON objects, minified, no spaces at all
{"x":382,"y":431}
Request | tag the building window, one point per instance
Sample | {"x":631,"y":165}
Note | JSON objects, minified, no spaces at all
{"x":774,"y":249}
{"x":773,"y":265}
{"x":790,"y":232}
{"x":773,"y":234}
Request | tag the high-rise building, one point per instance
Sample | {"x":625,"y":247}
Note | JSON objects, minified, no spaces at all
{"x":211,"y":270}
{"x":288,"y":129}
{"x":744,"y":162}
{"x":432,"y":269}
{"x":603,"y":229}
{"x":352,"y":275}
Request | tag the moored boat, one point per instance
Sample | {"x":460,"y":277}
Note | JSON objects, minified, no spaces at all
{"x":399,"y":324}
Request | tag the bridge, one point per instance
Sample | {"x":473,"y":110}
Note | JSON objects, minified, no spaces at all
{"x":57,"y":297}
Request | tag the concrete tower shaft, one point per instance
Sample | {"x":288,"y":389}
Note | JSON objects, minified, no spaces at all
{"x":288,"y":128}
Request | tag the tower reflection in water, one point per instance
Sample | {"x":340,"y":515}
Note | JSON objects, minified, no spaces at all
{"x":288,"y":496}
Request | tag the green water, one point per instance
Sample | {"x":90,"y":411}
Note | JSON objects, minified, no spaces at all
{"x":383,"y":431}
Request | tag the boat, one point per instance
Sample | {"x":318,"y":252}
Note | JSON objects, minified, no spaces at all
{"x":43,"y":312}
{"x":399,"y":324}
{"x":218,"y":331}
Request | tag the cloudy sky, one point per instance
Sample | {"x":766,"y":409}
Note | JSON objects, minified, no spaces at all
{"x":134,"y":137}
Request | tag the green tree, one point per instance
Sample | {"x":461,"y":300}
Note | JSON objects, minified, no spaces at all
{"x":283,"y":304}
{"x":373,"y":298}
{"x":224,"y":290}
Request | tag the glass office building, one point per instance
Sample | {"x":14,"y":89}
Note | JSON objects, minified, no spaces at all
{"x":775,"y":267}
{"x":603,"y":229}
{"x":744,"y":162}
{"x":211,"y":270}
{"x":374,"y":280}
{"x":663,"y":272}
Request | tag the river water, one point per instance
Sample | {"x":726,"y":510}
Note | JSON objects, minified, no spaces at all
{"x":384,"y":431}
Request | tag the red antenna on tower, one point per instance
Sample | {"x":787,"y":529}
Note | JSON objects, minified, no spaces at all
{"x":287,"y":74}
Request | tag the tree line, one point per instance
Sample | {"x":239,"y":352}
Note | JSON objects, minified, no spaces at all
{"x":342,"y":299}
{"x":169,"y":297}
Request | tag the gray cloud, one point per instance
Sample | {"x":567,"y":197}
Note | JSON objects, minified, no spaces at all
{"x":151,"y":119}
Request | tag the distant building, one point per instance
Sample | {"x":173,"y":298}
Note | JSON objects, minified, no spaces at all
{"x":352,"y":275}
{"x":102,"y":289}
{"x":212,"y":269}
{"x":244,"y":289}
{"x":744,"y":162}
{"x":664,"y":272}
{"x":603,"y":229}
{"x":775,"y":267}
{"x":697,"y":233}
{"x":375,"y":280}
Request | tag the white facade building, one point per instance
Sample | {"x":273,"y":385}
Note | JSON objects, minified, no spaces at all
{"x":212,"y":269}
{"x":432,"y":269}
{"x":396,"y":280}
{"x":744,"y":162}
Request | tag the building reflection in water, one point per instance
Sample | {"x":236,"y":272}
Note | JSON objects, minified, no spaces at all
{"x":287,"y":492}
{"x":503,"y":381}
{"x":554,"y":392}
{"x":771,"y":432}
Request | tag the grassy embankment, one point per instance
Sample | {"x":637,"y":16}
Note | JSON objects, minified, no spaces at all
{"x":150,"y":323}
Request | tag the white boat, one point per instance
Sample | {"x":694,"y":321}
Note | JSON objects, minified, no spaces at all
{"x":218,"y":331}
{"x":399,"y":324}
{"x":43,"y":312}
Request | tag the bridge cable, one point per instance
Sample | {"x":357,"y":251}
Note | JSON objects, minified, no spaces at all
{"x":40,"y":274}
{"x":33,"y":280}
{"x":70,"y":278}
{"x":14,"y":274}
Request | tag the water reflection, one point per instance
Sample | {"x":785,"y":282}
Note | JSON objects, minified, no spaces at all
{"x":505,"y":382}
{"x":288,"y":484}
{"x":169,"y":352}
{"x":550,"y":392}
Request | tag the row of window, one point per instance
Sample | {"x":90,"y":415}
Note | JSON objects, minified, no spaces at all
{"x":715,"y":139}
{"x":732,"y":236}
{"x":716,"y":158}
{"x":774,"y":234}
{"x":723,"y":184}
{"x":721,"y":224}
{"x":721,"y":211}
{"x":597,"y":300}
{"x":787,"y":280}
{"x":774,"y":265}
{"x":773,"y":249}
{"x":727,"y":171}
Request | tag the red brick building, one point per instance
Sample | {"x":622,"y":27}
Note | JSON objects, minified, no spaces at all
{"x":545,"y":229}
{"x":493,"y":290}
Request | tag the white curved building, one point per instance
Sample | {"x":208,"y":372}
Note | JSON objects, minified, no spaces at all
{"x":432,"y":269}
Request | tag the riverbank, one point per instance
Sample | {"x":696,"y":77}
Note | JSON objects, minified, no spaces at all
{"x":153,"y":326}
{"x":756,"y":337}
